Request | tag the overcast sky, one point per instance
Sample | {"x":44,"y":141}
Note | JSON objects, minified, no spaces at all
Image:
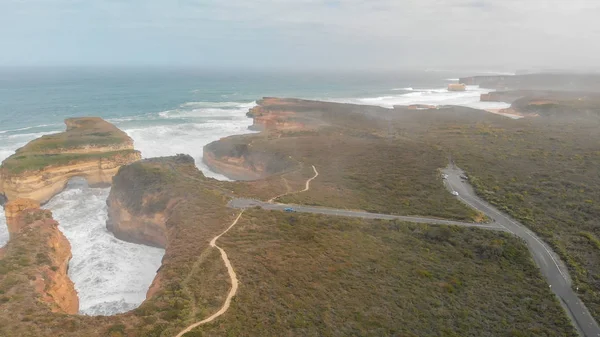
{"x":301,"y":33}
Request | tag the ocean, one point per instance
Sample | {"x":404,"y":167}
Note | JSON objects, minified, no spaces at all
{"x":169,"y":111}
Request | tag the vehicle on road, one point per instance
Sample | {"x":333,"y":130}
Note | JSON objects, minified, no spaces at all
{"x":289,"y":209}
{"x":444,"y":176}
{"x":464,"y":177}
{"x":454,"y":193}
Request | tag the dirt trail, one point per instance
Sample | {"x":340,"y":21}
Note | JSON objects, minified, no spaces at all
{"x":232,"y":276}
{"x":304,"y":190}
{"x":230,"y":271}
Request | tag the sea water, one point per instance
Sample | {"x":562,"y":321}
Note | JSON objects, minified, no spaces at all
{"x":166,"y":112}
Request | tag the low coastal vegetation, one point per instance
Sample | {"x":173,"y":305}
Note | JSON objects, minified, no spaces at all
{"x":86,"y":138}
{"x":314,"y":275}
{"x":22,"y":162}
{"x":543,"y":171}
{"x":361,"y":165}
{"x":318,"y":275}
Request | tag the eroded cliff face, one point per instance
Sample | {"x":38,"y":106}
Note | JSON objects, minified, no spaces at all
{"x":274,"y":114}
{"x":236,"y":158}
{"x":140,"y":201}
{"x":146,"y":226}
{"x":14,"y":213}
{"x":235,"y":168}
{"x":35,"y":238}
{"x":90,"y":148}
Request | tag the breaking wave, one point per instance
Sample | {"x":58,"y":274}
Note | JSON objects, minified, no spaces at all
{"x":434,"y":96}
{"x":112,"y":276}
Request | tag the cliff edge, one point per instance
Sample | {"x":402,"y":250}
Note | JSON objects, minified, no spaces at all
{"x":141,"y":200}
{"x":37,"y":257}
{"x":90,"y":148}
{"x":250,"y":157}
{"x":168,"y":203}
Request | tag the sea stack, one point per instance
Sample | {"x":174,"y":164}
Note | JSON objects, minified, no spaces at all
{"x":457,"y":87}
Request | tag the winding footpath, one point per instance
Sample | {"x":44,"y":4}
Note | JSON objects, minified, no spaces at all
{"x":232,"y":276}
{"x":553,"y":269}
{"x":230,"y":270}
{"x":306,"y":188}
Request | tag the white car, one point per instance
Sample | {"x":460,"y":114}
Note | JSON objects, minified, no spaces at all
{"x":454,"y":193}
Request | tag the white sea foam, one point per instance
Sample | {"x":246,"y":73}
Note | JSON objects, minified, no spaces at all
{"x":6,"y":149}
{"x":29,"y":128}
{"x":3,"y":228}
{"x":403,"y":89}
{"x":205,"y":125}
{"x":111,"y":276}
{"x":436,"y":96}
{"x":132,"y":118}
{"x":217,"y":105}
{"x":26,"y":137}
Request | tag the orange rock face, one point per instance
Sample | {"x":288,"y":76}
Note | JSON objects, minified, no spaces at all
{"x":235,"y":168}
{"x":457,"y":87}
{"x":53,"y":253}
{"x":79,"y":152}
{"x":14,"y":213}
{"x":143,"y":228}
{"x":270,"y":120}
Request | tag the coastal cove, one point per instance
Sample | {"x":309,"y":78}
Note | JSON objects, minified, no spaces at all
{"x":113,"y":276}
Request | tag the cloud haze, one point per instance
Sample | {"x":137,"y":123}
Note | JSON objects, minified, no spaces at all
{"x":301,"y":33}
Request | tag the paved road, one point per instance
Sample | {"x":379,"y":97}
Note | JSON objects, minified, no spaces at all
{"x":551,"y":266}
{"x":247,"y":203}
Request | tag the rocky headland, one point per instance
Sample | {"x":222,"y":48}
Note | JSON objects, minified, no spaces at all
{"x":37,"y":256}
{"x":252,"y":157}
{"x":540,"y":81}
{"x":529,"y":103}
{"x":90,"y":148}
{"x":236,"y":158}
{"x":140,"y":201}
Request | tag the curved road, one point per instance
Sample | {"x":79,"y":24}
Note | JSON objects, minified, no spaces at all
{"x":248,"y":203}
{"x":553,"y":269}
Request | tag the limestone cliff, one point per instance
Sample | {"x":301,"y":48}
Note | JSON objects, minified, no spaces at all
{"x":42,"y":253}
{"x":14,"y":211}
{"x":457,"y":87}
{"x":90,"y":148}
{"x":141,"y":227}
{"x":139,"y":203}
{"x":236,"y":158}
{"x":273,"y":114}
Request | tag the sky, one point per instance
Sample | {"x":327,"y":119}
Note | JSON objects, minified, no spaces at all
{"x":378,"y":34}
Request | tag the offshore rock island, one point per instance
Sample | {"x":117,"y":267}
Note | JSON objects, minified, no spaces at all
{"x":90,"y":148}
{"x":259,"y":271}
